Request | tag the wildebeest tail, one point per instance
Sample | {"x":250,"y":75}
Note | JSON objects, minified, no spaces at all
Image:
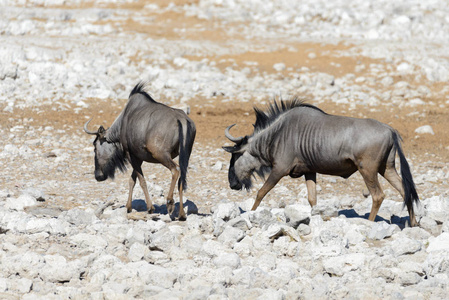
{"x":186,"y":138}
{"x":410,"y":194}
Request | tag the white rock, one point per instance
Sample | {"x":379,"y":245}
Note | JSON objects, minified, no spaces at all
{"x":426,"y":129}
{"x":445,"y":226}
{"x":342,"y":264}
{"x":404,"y":67}
{"x":381,"y":230}
{"x":244,"y":247}
{"x":429,"y":224}
{"x":409,"y":278}
{"x":226,"y":211}
{"x":354,"y":236}
{"x":241,"y":223}
{"x":4,"y":283}
{"x":297,"y":214}
{"x":279,"y":67}
{"x":163,"y":240}
{"x":436,"y":207}
{"x":84,"y":240}
{"x":231,"y":260}
{"x":57,"y":269}
{"x":231,"y":235}
{"x":217,"y":166}
{"x":327,"y":208}
{"x":440,"y":243}
{"x":22,"y":285}
{"x":154,"y":275}
{"x":405,"y":245}
{"x":21,"y":202}
{"x":37,"y":194}
{"x":78,"y":216}
{"x":304,"y":229}
{"x":137,"y":252}
{"x":213,"y":248}
{"x":262,"y":217}
{"x":436,"y":263}
{"x":285,"y":246}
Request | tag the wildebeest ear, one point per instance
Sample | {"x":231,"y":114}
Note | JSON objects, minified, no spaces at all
{"x":229,"y":149}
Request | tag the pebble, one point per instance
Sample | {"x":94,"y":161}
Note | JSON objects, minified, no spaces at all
{"x":426,"y":129}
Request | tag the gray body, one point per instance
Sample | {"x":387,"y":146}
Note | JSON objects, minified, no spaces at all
{"x":146,"y":131}
{"x":306,"y":140}
{"x":296,"y":139}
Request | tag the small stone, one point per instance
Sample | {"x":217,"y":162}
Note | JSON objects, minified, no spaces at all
{"x":297,"y":214}
{"x":440,"y":243}
{"x":304,"y":229}
{"x":381,"y":230}
{"x":279,"y":67}
{"x":226,"y":211}
{"x":20,"y":203}
{"x":426,"y":129}
{"x":231,"y":260}
{"x":137,"y":252}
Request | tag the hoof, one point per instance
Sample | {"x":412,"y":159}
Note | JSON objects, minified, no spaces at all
{"x":151,"y":210}
{"x":129,"y":209}
{"x":170,"y":207}
{"x":182,"y":217}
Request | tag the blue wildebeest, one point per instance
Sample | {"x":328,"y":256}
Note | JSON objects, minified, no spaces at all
{"x":294,"y":138}
{"x":145,"y":131}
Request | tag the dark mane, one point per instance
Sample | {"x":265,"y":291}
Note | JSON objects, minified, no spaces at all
{"x":276,"y":109}
{"x":139,"y":89}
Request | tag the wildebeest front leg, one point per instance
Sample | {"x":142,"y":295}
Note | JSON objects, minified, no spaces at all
{"x":272,"y":180}
{"x":311,"y":188}
{"x":132,"y":183}
{"x":137,"y":172}
{"x":143,"y":185}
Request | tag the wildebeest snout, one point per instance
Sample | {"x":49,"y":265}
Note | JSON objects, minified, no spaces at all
{"x":235,"y":185}
{"x":99,"y":176}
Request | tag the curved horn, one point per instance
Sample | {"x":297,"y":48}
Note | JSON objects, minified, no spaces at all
{"x":87,"y":130}
{"x":230,"y":137}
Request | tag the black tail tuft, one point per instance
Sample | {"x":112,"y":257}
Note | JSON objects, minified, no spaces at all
{"x":185,"y":149}
{"x":410,"y":194}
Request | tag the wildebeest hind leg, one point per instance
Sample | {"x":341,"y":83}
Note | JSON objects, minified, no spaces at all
{"x":181,"y":215}
{"x":372,"y":183}
{"x":272,"y":180}
{"x":392,"y":176}
{"x":174,"y":169}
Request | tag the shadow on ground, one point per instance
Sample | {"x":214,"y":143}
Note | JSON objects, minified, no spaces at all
{"x":400,"y":221}
{"x":140,"y":205}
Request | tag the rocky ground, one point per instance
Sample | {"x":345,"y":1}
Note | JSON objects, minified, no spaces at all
{"x":64,"y":235}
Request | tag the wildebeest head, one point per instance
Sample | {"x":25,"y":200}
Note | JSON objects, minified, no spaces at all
{"x":243,"y":164}
{"x":108,"y":155}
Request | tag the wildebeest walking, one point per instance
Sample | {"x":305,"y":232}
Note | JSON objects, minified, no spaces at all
{"x":145,"y":131}
{"x":294,"y":138}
